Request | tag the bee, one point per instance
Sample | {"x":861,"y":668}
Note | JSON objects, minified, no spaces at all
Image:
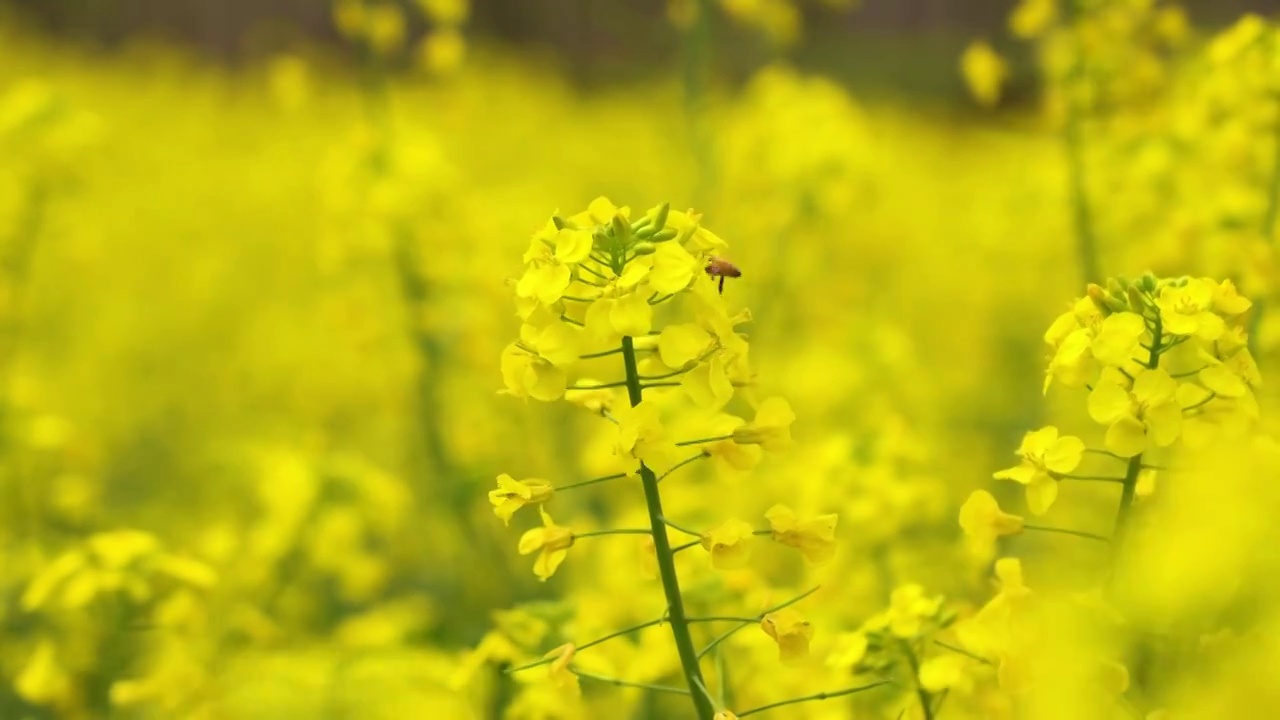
{"x":719,"y":267}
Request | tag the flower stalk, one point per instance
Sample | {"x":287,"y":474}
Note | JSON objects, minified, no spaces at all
{"x":666,"y":558}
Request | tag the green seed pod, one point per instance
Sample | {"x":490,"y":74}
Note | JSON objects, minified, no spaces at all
{"x":1149,"y":282}
{"x":664,"y":235}
{"x":1137,"y":300}
{"x":642,"y":224}
{"x":643,"y":248}
{"x":1115,"y":304}
{"x":660,"y":218}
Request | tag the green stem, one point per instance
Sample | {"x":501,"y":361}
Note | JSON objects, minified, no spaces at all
{"x":592,"y":481}
{"x":1065,"y":531}
{"x":697,"y":71}
{"x":1268,"y":232}
{"x":685,"y":546}
{"x":666,"y":558}
{"x":681,"y":464}
{"x":701,"y":441}
{"x":598,"y":533}
{"x":816,"y":696}
{"x":593,"y":643}
{"x":926,"y":704}
{"x":682,"y":529}
{"x":1134,"y":467}
{"x":728,"y":633}
{"x":1088,"y":478}
{"x":584,"y":266}
{"x":1073,"y":139}
{"x":627,"y":683}
{"x":602,"y":353}
{"x":601,"y":386}
{"x":1201,"y":403}
{"x":963,"y":652}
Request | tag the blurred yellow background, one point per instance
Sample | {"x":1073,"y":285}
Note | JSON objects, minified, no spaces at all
{"x":258,"y":268}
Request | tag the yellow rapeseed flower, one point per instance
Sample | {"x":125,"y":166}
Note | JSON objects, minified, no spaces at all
{"x":729,"y":544}
{"x":1044,"y":455}
{"x":814,"y":537}
{"x":551,"y":542}
{"x":984,"y":71}
{"x":984,"y":521}
{"x":1188,"y":310}
{"x":771,"y":428}
{"x":513,"y":494}
{"x":791,"y":631}
{"x":1146,"y":413}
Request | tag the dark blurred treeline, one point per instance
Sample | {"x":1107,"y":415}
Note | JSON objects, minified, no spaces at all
{"x":582,"y":30}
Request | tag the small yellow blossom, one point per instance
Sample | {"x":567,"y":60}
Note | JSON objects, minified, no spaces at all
{"x":1187,"y":310}
{"x":546,"y":282}
{"x":526,"y":374}
{"x":983,"y":520}
{"x":1227,"y":301}
{"x":443,"y":51}
{"x":673,"y":269}
{"x":791,"y":631}
{"x":729,"y":544}
{"x":1031,"y":18}
{"x":1118,"y":338}
{"x":708,"y":384}
{"x":771,"y":428}
{"x":513,"y":494}
{"x":908,"y":609}
{"x":558,"y":671}
{"x":1147,"y":413}
{"x":44,"y":680}
{"x":1233,"y":377}
{"x":814,"y":537}
{"x":984,"y":71}
{"x":680,"y":344}
{"x":631,"y":315}
{"x":731,"y":456}
{"x":642,"y":438}
{"x":551,"y":541}
{"x":1044,"y":456}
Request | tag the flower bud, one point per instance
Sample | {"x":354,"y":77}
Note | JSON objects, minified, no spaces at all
{"x":660,"y":219}
{"x":1149,"y":283}
{"x":664,"y":235}
{"x":620,"y":228}
{"x":643,"y":248}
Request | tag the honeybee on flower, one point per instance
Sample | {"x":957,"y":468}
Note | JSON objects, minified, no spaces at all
{"x":718,"y":267}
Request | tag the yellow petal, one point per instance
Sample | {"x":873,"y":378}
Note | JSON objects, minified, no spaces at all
{"x":631,"y":315}
{"x":1108,"y":403}
{"x":680,"y":344}
{"x":1126,"y":437}
{"x":1041,"y":494}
